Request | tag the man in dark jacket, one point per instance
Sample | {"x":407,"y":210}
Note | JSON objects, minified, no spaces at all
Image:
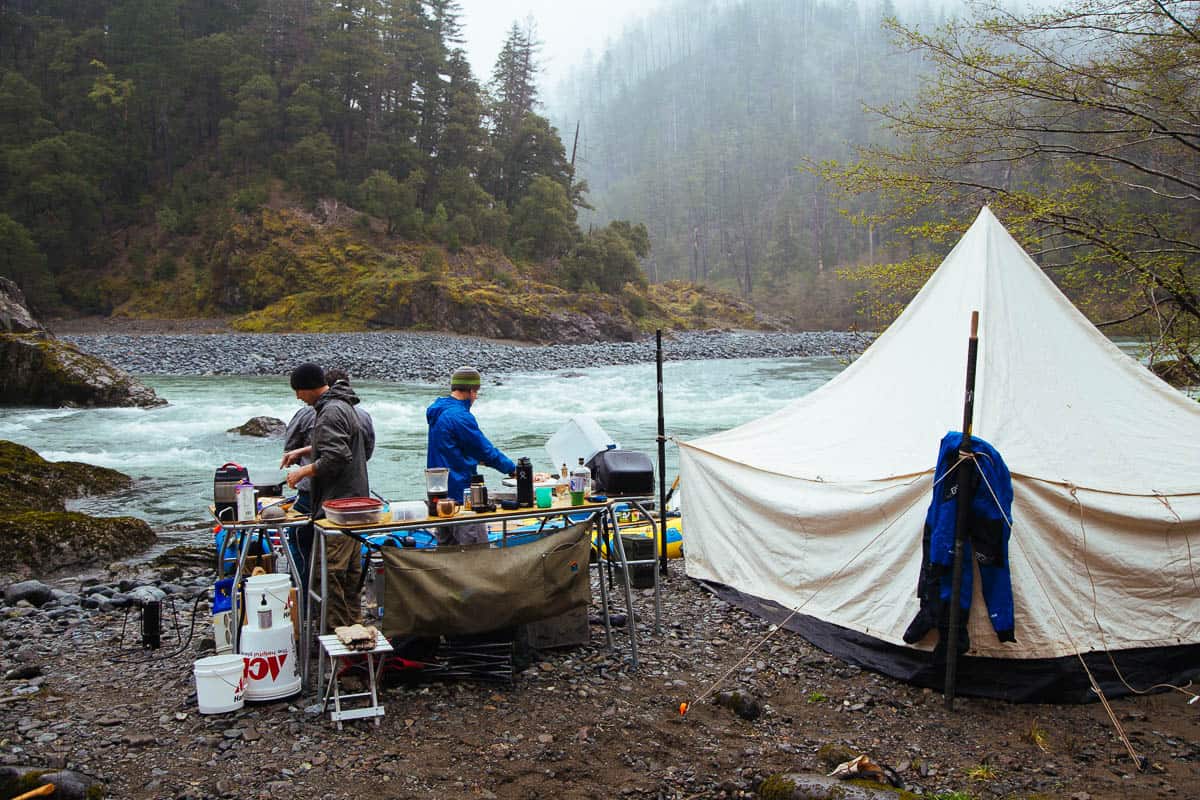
{"x":457,"y":443}
{"x":338,"y":470}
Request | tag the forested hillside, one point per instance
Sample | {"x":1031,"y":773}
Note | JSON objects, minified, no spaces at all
{"x":698,"y":121}
{"x":220,"y":156}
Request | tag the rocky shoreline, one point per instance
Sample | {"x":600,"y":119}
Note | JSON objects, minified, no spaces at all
{"x":80,"y":694}
{"x":426,"y":357}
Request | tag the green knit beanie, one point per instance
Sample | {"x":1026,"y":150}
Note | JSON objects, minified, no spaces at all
{"x":464,"y":378}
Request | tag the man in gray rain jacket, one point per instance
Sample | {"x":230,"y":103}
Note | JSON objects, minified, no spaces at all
{"x":338,"y":470}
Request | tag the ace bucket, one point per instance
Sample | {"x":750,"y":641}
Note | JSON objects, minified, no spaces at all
{"x":219,"y":684}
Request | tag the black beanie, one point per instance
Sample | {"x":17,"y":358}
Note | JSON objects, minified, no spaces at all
{"x":308,"y":376}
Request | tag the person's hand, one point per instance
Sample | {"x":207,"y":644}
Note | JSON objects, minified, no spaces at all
{"x":289,"y":457}
{"x":294,"y":477}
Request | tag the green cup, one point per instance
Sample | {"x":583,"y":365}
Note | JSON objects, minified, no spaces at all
{"x":576,"y":498}
{"x":544,"y":495}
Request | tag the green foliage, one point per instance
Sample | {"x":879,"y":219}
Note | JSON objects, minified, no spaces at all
{"x":1056,"y":119}
{"x":432,"y":261}
{"x":166,"y":269}
{"x":389,"y":199}
{"x":543,"y":222}
{"x":251,"y":198}
{"x":605,"y":258}
{"x":311,"y":165}
{"x":22,"y":262}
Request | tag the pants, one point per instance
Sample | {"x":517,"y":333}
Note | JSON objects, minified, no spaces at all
{"x":462,"y":534}
{"x":343,"y":558}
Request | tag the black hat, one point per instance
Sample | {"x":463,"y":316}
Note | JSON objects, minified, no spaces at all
{"x":308,"y":376}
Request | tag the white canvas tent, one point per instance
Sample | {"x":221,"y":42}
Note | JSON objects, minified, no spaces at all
{"x":821,"y":504}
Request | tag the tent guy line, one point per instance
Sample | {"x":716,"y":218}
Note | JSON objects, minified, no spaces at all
{"x":685,"y":707}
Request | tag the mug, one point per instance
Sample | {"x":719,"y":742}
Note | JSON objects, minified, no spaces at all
{"x":446,"y":507}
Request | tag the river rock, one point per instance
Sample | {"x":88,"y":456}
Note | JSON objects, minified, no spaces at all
{"x":34,"y":592}
{"x":14,"y":314}
{"x":68,"y":784}
{"x":39,"y":534}
{"x":261,"y":426}
{"x":812,"y":786}
{"x":37,"y":369}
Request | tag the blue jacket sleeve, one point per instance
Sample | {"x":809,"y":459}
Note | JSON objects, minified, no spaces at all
{"x":476,"y":445}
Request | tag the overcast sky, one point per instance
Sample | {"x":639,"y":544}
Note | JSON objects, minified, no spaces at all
{"x":566,"y":28}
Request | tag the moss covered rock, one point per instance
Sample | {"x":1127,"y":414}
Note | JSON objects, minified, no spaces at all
{"x":29,"y":482}
{"x":39,"y":370}
{"x":41,"y":542}
{"x":40,"y":535}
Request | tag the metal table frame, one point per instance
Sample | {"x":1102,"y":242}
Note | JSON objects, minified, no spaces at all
{"x":312,"y":628}
{"x":245,"y":529}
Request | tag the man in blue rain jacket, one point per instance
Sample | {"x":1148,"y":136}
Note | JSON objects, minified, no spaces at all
{"x":457,"y":443}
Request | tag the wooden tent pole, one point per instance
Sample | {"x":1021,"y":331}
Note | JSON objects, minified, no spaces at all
{"x":965,"y":469}
{"x":662,"y":462}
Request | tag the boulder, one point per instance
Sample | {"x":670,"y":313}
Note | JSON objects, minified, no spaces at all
{"x":39,"y":542}
{"x":35,"y":593}
{"x":14,"y":314}
{"x":38,"y":370}
{"x":40,"y":535}
{"x":261,"y":426}
{"x":30,"y":482}
{"x":69,"y":785}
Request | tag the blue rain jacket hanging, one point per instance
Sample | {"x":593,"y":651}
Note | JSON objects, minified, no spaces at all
{"x":985,"y":542}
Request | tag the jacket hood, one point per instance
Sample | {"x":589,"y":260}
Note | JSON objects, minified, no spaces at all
{"x":439,"y":406}
{"x":340,"y":391}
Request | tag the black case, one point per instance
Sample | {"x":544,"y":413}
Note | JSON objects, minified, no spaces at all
{"x":227,"y":477}
{"x":617,"y":472}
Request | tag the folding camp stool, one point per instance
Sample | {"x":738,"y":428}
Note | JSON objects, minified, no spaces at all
{"x":335,"y":650}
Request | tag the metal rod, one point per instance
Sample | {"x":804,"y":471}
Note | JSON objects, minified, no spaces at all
{"x":965,"y":473}
{"x":662,"y":461}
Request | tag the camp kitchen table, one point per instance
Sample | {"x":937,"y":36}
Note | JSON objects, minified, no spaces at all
{"x":606,"y":511}
{"x":245,"y":529}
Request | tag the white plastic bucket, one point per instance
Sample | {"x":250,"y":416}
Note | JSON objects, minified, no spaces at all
{"x":269,"y":662}
{"x":220,"y":686}
{"x":276,"y":588}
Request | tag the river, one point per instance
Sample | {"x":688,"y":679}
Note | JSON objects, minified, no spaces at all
{"x":172,"y":452}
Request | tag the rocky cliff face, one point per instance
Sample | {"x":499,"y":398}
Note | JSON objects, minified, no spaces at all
{"x":37,"y":369}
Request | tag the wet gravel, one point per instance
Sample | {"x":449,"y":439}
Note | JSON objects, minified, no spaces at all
{"x":77,"y":692}
{"x":425,"y":357}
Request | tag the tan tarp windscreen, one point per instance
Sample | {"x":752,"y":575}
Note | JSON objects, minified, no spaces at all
{"x":466,"y":590}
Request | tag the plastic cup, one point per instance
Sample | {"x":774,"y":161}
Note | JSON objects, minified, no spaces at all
{"x":544,"y":495}
{"x":576,"y":498}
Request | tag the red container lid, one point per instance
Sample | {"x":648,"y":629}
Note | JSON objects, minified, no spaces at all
{"x":354,"y":504}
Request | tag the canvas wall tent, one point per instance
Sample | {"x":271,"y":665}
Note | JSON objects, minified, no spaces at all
{"x":820,"y":505}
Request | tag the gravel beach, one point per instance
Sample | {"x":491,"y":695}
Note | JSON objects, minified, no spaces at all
{"x":576,"y":723}
{"x":78,"y":693}
{"x":426,"y":357}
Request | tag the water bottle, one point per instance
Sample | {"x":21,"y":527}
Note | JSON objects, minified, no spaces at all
{"x":246,"y":507}
{"x":524,"y":482}
{"x":581,"y":478}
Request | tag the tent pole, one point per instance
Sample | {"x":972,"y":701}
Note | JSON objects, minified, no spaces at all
{"x":662,"y":462}
{"x":963,"y":509}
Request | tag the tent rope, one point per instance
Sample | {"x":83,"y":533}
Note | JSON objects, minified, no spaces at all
{"x":685,"y":707}
{"x":1073,"y":490}
{"x":1138,"y":760}
{"x":1187,"y":540}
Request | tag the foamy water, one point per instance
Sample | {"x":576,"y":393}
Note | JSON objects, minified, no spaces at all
{"x":171,"y":452}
